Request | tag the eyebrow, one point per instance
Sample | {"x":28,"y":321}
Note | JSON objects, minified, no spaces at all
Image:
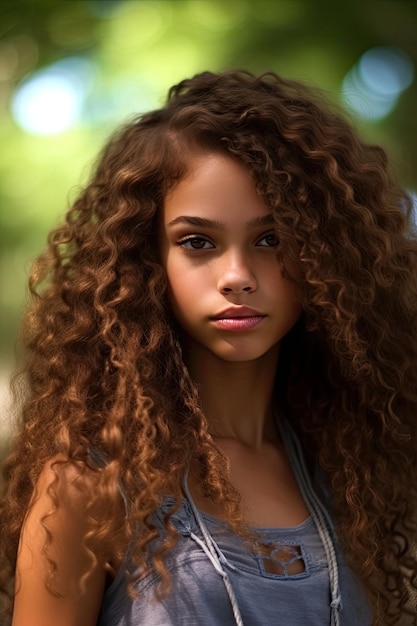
{"x":203,"y":222}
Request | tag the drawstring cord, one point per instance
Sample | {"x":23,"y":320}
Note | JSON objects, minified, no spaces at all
{"x":318,"y":513}
{"x":213,"y":552}
{"x":214,"y":561}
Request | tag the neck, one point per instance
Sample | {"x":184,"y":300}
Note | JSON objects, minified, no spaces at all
{"x":237,"y":397}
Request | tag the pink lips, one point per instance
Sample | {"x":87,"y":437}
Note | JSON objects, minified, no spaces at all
{"x":239,"y":318}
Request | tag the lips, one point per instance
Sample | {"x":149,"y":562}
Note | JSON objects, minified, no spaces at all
{"x":237,"y":312}
{"x":238,"y":319}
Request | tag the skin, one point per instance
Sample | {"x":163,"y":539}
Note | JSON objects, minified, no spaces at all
{"x":210,"y":267}
{"x":34,"y":604}
{"x":231,"y":261}
{"x":219,"y":250}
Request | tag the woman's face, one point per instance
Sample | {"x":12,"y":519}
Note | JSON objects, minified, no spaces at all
{"x":219,"y":250}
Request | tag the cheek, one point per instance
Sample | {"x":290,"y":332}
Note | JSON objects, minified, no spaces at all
{"x":292,"y":295}
{"x":281,"y":281}
{"x":288,"y":293}
{"x":186,"y":279}
{"x":171,"y":271}
{"x":180,"y":290}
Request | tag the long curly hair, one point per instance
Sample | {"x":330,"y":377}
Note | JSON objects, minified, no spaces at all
{"x":103,"y":363}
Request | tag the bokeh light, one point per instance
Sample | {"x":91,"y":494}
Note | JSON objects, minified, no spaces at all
{"x":386,"y":71}
{"x":372,"y":87}
{"x":413,"y":196}
{"x":123,"y":56}
{"x":50,"y":101}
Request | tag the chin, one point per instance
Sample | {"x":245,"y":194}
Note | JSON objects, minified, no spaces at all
{"x":239,"y":355}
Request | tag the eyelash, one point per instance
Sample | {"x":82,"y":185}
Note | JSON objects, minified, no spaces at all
{"x":270,"y":234}
{"x":204,"y":240}
{"x":189,"y":240}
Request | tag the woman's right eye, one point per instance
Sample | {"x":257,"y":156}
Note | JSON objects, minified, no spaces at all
{"x":195,"y":243}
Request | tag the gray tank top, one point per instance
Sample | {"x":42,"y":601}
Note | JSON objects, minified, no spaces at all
{"x":217,"y":580}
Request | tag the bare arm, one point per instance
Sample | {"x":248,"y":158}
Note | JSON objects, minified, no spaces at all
{"x":34,"y":603}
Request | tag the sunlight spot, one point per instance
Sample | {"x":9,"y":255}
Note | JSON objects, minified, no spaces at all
{"x":372,"y":87}
{"x":51,"y":99}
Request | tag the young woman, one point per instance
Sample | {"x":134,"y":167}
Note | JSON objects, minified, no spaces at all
{"x":221,"y":378}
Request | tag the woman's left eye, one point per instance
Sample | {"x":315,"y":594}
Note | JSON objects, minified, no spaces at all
{"x":270,"y":240}
{"x":195,"y":243}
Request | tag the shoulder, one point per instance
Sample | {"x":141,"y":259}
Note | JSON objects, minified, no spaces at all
{"x":62,"y":494}
{"x":64,"y":481}
{"x":68,"y":497}
{"x":60,"y":578}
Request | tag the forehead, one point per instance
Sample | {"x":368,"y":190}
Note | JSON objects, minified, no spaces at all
{"x":216,"y":187}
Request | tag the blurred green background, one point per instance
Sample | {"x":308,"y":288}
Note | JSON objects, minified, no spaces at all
{"x":70,"y":71}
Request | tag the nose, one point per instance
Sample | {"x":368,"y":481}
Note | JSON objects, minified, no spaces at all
{"x":236,"y":275}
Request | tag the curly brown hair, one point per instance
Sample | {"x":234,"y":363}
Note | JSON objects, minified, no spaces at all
{"x":104,"y":369}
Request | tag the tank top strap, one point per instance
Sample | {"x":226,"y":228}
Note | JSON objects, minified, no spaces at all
{"x":318,"y":512}
{"x":209,"y":546}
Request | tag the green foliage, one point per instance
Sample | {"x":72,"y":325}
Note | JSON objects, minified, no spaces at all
{"x":138,"y":48}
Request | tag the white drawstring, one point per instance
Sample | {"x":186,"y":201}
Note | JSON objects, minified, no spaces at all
{"x":318,"y":513}
{"x":215,"y":562}
{"x":212,"y":552}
